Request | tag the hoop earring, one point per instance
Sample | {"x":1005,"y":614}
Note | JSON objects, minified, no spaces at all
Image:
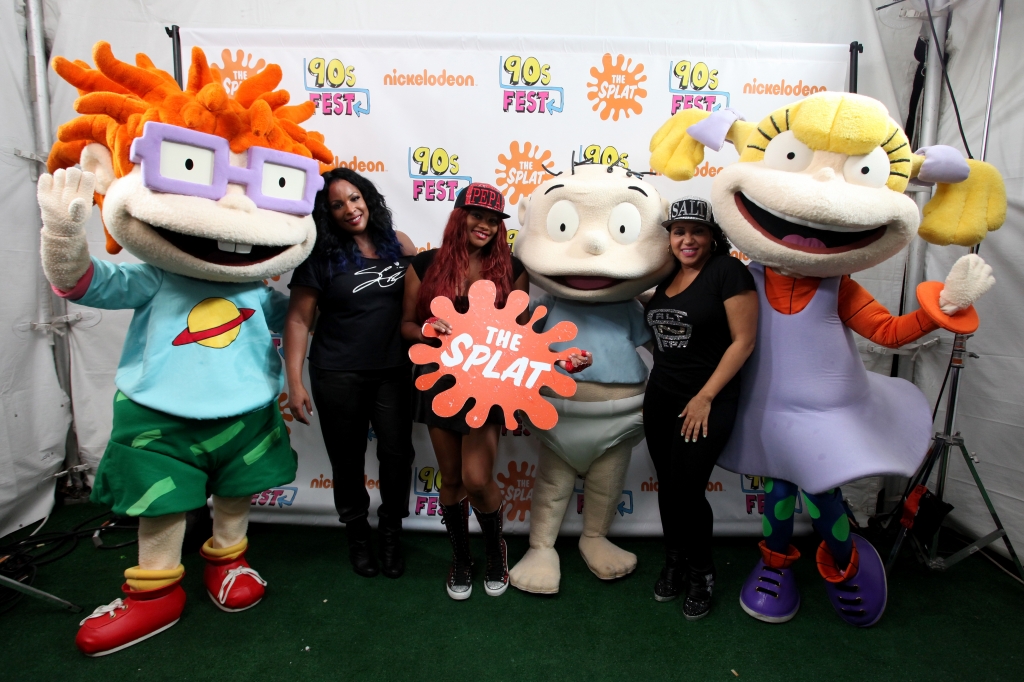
{"x":714,"y":245}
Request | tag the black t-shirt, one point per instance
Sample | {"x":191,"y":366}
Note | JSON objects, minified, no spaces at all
{"x":360,"y":313}
{"x":422,"y":261}
{"x":691,"y":329}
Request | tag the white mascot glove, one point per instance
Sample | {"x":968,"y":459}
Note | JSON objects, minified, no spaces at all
{"x":968,"y":279}
{"x":65,"y":200}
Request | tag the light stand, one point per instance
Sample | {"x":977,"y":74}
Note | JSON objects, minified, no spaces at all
{"x":947,"y":438}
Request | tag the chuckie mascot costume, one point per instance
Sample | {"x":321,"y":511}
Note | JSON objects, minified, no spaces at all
{"x":593,"y":240}
{"x":817,"y":195}
{"x":213,"y":193}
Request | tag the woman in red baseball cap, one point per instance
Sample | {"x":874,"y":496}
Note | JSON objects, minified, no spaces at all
{"x":474,"y":247}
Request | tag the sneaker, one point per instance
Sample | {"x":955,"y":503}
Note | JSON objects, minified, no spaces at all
{"x":770,"y":593}
{"x":859,"y":592}
{"x":460,"y":574}
{"x":698,"y":595}
{"x":126,"y":621}
{"x":232,"y":584}
{"x":672,"y":578}
{"x":496,"y":575}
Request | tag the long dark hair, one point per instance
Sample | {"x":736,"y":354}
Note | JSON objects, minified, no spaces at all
{"x":337,"y":245}
{"x":722,"y":246}
{"x":448,"y":271}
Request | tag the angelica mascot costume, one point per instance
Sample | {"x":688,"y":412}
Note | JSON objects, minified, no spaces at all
{"x":818,"y":195}
{"x":593,"y":240}
{"x":213,"y":193}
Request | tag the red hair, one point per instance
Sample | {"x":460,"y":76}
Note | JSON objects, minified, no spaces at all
{"x":447,"y":272}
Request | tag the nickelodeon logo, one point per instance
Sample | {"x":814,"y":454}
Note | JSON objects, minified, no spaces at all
{"x":781,"y":88}
{"x":324,"y":482}
{"x":651,"y":486}
{"x":354,"y":164}
{"x":428,"y":79}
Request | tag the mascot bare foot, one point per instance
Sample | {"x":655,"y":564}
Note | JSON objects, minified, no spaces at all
{"x":593,"y":240}
{"x":817,"y":195}
{"x":184,"y":181}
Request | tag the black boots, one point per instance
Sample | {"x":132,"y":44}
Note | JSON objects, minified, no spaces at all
{"x":460,"y":575}
{"x":392,"y":563}
{"x":359,"y":553}
{"x":673,"y":576}
{"x":698,"y":595}
{"x":496,"y":577}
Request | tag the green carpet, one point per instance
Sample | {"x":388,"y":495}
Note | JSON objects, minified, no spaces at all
{"x":965,"y":624}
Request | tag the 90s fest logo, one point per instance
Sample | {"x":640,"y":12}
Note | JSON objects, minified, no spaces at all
{"x":515,"y":486}
{"x":694,"y":85}
{"x":435,"y":173}
{"x":332,"y":87}
{"x":526,"y":86}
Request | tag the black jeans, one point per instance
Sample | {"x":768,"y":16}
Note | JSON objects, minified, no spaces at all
{"x":348,"y":402}
{"x":684,"y":470}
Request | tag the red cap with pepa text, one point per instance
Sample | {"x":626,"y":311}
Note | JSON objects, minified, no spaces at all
{"x":481,"y":195}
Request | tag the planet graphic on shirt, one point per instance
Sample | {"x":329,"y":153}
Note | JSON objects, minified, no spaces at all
{"x":214,"y":323}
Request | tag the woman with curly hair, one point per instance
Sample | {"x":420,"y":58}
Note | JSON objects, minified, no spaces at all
{"x":474,"y":247}
{"x":359,"y":368}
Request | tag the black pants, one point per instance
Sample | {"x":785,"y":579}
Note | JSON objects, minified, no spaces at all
{"x":348,"y":402}
{"x":684,"y":470}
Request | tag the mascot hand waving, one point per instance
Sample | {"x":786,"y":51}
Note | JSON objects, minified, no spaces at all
{"x":213,"y":193}
{"x":818,"y":195}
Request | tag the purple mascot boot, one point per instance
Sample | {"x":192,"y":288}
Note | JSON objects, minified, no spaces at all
{"x":770,"y":592}
{"x":859,"y":592}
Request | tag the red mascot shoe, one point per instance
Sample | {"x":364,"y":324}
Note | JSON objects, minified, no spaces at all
{"x":232,"y":585}
{"x":138,"y":616}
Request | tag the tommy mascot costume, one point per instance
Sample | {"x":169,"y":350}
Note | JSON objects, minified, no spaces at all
{"x":817,"y":195}
{"x":213,"y":193}
{"x":593,"y":240}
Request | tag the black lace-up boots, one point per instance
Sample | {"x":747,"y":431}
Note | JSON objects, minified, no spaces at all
{"x":460,"y":576}
{"x":496,"y":577}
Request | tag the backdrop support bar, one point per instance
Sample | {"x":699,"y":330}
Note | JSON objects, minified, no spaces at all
{"x":856,"y":49}
{"x":992,"y":82}
{"x":172,"y":33}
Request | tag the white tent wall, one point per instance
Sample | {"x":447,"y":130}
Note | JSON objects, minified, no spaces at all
{"x":34,"y":412}
{"x":990,"y":413}
{"x":73,"y":27}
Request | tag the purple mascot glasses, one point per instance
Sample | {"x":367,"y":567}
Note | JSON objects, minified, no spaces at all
{"x":181,"y":161}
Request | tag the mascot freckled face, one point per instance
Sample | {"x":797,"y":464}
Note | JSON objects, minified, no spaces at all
{"x":817,"y":195}
{"x":213,"y":193}
{"x":593,"y":240}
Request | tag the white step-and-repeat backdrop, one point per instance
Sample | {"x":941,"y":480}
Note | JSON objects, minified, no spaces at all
{"x":423,"y":115}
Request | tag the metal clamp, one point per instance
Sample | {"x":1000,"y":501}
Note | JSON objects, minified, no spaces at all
{"x":74,"y":469}
{"x":911,"y":349}
{"x":60,"y":325}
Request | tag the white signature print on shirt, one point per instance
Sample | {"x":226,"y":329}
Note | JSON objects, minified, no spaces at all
{"x":380,"y":278}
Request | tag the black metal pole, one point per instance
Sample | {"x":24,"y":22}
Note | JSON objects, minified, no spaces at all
{"x":172,"y":33}
{"x":855,"y":49}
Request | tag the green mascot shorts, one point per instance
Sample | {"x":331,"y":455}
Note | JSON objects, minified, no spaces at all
{"x":157,"y":464}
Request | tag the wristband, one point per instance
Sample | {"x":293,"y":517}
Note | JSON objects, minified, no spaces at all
{"x":572,"y":368}
{"x":429,"y":321}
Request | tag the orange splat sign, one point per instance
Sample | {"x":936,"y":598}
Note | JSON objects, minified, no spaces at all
{"x":616,"y":87}
{"x":495,"y":360}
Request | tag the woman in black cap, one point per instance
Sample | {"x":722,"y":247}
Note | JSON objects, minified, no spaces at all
{"x":359,"y":369}
{"x":704,"y":321}
{"x":474,"y":247}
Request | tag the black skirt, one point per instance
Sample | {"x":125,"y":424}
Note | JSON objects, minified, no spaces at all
{"x":422,"y":400}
